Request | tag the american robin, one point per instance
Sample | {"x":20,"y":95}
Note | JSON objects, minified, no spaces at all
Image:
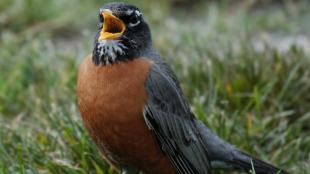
{"x":134,"y":109}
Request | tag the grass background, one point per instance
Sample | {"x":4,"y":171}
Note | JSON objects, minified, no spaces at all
{"x":243,"y":65}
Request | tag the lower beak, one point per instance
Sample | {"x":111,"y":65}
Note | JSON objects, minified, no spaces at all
{"x":112,"y":27}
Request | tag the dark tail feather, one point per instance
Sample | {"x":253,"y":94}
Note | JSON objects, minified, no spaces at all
{"x":242,"y":161}
{"x":225,"y":156}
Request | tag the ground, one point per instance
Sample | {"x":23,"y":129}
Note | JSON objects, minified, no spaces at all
{"x":243,"y":66}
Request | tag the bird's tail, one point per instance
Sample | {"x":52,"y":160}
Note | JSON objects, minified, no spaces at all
{"x":225,"y":156}
{"x":245,"y":162}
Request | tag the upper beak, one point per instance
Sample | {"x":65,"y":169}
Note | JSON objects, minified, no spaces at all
{"x":112,"y":27}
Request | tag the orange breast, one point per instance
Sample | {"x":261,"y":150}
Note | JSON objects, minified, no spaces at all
{"x":111,"y":100}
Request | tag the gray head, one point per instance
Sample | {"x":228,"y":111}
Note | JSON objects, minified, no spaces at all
{"x":122,"y":35}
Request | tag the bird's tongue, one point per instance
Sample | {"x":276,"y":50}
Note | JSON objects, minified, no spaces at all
{"x":112,"y":28}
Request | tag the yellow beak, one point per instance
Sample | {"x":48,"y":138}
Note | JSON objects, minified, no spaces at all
{"x":112,"y":27}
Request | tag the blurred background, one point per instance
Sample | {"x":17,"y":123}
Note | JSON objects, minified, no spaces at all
{"x":243,"y":65}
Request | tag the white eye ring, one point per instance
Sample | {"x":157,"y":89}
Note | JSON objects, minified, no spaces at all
{"x":134,"y":24}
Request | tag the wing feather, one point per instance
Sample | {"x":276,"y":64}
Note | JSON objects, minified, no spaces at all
{"x":168,"y":116}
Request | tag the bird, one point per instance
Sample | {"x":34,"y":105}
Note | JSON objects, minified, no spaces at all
{"x":134,"y":109}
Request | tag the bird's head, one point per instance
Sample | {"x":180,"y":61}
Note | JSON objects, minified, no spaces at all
{"x":122,"y":35}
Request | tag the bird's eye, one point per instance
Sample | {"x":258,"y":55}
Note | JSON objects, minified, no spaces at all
{"x":133,"y":21}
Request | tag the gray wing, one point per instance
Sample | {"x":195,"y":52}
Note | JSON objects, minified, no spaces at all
{"x":168,"y":116}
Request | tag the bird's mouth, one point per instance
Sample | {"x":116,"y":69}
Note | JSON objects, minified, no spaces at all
{"x":112,"y":28}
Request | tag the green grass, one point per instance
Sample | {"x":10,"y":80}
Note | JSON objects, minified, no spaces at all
{"x":258,"y":100}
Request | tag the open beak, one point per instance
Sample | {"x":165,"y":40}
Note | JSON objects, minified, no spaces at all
{"x":112,"y":27}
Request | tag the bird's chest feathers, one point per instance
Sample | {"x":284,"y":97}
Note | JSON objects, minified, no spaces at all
{"x":112,"y":97}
